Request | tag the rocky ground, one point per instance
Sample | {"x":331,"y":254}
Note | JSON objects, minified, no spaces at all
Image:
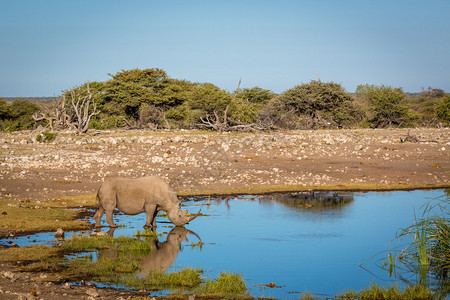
{"x":201,"y":162}
{"x":30,"y":286}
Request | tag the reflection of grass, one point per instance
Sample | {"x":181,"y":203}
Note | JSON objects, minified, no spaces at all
{"x":394,"y":292}
{"x":25,"y":218}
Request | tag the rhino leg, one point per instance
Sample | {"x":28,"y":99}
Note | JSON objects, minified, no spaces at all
{"x":151,"y":212}
{"x":109,"y":218}
{"x":98,"y":216}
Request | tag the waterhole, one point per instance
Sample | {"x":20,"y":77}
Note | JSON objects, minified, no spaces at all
{"x":285,"y":244}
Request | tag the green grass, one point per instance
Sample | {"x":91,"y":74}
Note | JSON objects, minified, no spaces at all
{"x":394,"y":292}
{"x":121,"y":244}
{"x":428,"y":253}
{"x":185,"y":278}
{"x":26,"y":218}
{"x":28,"y":254}
{"x":226,"y":285}
{"x":46,"y":136}
{"x":105,"y":269}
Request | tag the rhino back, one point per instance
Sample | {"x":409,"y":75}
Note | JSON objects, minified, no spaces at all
{"x":133,"y":194}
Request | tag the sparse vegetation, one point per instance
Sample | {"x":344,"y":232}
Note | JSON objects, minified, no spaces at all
{"x":28,"y":254}
{"x":26,"y":217}
{"x":46,"y":136}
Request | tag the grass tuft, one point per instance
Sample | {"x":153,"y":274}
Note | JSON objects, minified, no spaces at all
{"x":225,"y":284}
{"x":120,"y":244}
{"x":394,"y":292}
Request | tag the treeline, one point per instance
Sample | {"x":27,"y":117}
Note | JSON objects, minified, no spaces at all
{"x":151,"y":99}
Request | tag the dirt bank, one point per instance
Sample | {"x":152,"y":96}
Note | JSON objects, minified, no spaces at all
{"x":204,"y":162}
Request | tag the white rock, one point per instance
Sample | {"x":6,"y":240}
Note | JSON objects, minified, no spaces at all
{"x":92,"y":292}
{"x":9,"y":275}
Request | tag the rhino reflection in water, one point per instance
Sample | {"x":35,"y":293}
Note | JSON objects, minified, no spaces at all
{"x":134,"y":196}
{"x":162,"y":255}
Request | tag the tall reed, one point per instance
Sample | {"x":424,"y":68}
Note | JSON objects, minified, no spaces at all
{"x":428,"y":255}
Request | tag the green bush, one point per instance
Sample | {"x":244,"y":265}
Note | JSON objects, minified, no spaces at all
{"x":388,"y":106}
{"x":314,"y":105}
{"x":46,"y":136}
{"x":443,"y":110}
{"x":18,"y":115}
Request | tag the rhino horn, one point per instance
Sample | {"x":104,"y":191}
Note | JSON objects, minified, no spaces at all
{"x":193,"y":233}
{"x":193,"y":217}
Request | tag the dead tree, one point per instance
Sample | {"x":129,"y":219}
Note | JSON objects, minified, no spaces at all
{"x":225,"y":123}
{"x":84,"y":109}
{"x":50,"y":119}
{"x":216,"y":122}
{"x":77,"y":116}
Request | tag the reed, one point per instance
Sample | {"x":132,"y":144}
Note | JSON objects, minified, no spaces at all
{"x":428,"y":255}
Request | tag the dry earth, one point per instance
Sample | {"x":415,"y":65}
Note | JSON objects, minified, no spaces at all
{"x":205,"y":162}
{"x":199,"y":162}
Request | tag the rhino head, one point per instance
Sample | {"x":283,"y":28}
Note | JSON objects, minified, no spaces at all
{"x":179,"y":217}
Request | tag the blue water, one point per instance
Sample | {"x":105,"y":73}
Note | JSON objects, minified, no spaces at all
{"x":300,"y":249}
{"x":303,"y":249}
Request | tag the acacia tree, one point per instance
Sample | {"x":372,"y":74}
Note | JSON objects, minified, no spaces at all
{"x":424,"y":105}
{"x":208,"y":107}
{"x":443,"y":110}
{"x":247,"y":104}
{"x":315,"y":104}
{"x":388,"y":106}
{"x":18,"y":115}
{"x":143,"y":97}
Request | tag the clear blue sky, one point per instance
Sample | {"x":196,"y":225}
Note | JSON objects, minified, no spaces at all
{"x":49,"y":46}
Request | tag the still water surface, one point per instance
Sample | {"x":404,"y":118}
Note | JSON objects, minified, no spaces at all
{"x":302,"y":249}
{"x":297,"y":247}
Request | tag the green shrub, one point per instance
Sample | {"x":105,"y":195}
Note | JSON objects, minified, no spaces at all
{"x":46,"y":136}
{"x":443,"y":110}
{"x":314,"y":105}
{"x":387,"y":106}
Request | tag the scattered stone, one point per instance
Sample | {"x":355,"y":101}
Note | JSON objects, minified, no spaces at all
{"x":67,"y":285}
{"x":9,"y":275}
{"x":27,"y":296}
{"x":59,"y":234}
{"x":92,"y":293}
